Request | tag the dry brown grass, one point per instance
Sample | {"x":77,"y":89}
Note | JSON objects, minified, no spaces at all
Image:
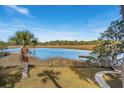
{"x":61,"y":73}
{"x":67,"y":77}
{"x":63,"y":77}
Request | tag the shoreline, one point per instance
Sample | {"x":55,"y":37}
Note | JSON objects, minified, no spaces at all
{"x":80,"y":47}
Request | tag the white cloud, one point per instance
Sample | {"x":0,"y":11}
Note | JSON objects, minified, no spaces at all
{"x":73,"y":31}
{"x":22,"y":10}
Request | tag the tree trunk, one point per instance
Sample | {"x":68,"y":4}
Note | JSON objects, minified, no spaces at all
{"x":122,"y":11}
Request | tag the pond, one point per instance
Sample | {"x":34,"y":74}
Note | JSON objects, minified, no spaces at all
{"x":46,"y":53}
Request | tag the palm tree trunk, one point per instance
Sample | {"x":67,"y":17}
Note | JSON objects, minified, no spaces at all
{"x":122,"y":10}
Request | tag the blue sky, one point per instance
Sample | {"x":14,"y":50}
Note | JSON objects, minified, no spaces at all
{"x":57,"y":22}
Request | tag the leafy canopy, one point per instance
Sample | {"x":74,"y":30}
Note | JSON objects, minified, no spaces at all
{"x":113,"y":43}
{"x":23,"y":38}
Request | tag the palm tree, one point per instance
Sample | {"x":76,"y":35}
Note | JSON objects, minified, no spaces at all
{"x":23,"y":38}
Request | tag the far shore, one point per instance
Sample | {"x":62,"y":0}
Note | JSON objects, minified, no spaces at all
{"x":81,"y":47}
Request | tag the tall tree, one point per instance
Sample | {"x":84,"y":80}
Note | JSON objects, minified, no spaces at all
{"x":108,"y":51}
{"x":113,"y":45}
{"x":122,"y":11}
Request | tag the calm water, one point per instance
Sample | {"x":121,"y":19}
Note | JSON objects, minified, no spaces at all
{"x":45,"y":53}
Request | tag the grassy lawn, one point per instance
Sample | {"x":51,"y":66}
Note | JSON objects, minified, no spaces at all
{"x":49,"y":77}
{"x":113,"y":80}
{"x":64,"y":73}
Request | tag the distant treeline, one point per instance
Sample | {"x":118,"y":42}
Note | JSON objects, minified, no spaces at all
{"x":66,"y":42}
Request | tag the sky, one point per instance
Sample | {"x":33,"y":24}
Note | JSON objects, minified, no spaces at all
{"x":49,"y":23}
